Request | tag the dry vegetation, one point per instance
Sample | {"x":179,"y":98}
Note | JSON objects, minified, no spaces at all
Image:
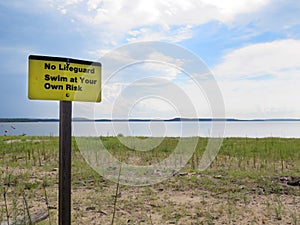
{"x":252,"y":181}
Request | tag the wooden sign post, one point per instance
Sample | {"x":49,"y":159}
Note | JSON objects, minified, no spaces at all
{"x":65,"y":156}
{"x":66,"y":80}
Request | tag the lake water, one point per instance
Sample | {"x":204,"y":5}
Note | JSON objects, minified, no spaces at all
{"x":158,"y":129}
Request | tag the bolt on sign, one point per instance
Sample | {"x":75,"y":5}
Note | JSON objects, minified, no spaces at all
{"x":64,"y":79}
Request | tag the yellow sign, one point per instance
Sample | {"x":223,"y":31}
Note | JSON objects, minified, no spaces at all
{"x":55,"y":78}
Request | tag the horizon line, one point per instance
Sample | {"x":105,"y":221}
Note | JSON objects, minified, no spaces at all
{"x":175,"y":119}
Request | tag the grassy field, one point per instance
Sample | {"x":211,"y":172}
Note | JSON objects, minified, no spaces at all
{"x":250,"y":182}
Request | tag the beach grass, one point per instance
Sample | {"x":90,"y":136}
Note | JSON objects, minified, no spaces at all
{"x":247,"y":183}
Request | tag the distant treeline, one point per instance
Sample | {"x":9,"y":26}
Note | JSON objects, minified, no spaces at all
{"x":13,"y":120}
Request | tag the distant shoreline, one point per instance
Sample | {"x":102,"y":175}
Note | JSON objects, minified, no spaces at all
{"x":16,"y":120}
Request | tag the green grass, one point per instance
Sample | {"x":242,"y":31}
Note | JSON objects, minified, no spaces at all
{"x":244,"y":166}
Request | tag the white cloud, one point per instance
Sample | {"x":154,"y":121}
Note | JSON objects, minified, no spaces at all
{"x":168,"y":12}
{"x":125,"y":66}
{"x":279,"y":58}
{"x":261,"y":99}
{"x":277,"y":16}
{"x":249,"y":93}
{"x":231,"y":8}
{"x":167,"y":20}
{"x":170,"y":35}
{"x":151,"y":97}
{"x":93,"y":4}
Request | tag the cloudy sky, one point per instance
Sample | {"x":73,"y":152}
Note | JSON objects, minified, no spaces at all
{"x":252,"y":47}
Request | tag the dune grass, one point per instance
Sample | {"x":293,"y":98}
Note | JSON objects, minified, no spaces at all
{"x":248,"y":172}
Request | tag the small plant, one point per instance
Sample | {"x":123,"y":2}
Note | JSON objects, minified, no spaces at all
{"x":209,"y":219}
{"x":5,"y":203}
{"x":116,"y":196}
{"x":245,"y":199}
{"x":294,"y":218}
{"x":45,"y":183}
{"x":278,"y":211}
{"x":26,"y":207}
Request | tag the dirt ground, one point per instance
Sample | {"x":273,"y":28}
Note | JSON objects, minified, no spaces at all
{"x":234,"y":190}
{"x":183,"y":199}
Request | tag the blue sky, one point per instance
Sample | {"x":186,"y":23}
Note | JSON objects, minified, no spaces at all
{"x":251,"y":46}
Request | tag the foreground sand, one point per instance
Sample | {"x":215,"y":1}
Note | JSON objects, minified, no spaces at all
{"x":234,"y":190}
